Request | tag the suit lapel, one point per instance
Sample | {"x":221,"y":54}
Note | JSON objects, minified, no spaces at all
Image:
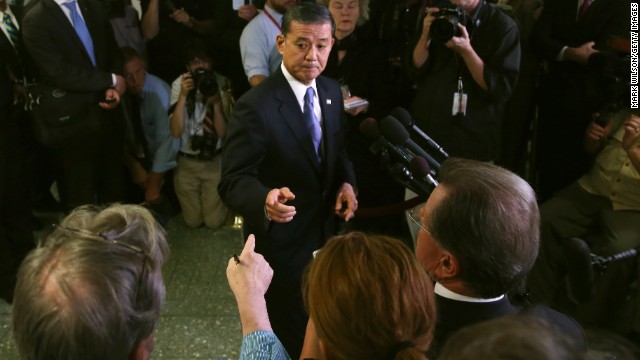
{"x":291,"y":112}
{"x":329,"y":124}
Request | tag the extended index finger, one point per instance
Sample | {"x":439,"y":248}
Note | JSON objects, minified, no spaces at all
{"x":249,"y":245}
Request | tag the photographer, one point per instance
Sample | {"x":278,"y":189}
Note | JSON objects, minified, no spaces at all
{"x":603,"y":208}
{"x":465,"y":63}
{"x":198,"y":119}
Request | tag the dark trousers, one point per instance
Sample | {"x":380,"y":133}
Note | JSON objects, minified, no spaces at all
{"x":16,"y":237}
{"x":91,"y":171}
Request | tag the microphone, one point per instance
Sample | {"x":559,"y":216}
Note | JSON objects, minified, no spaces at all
{"x":397,"y":134}
{"x":580,"y":278}
{"x":420,"y":168}
{"x":405,"y":118}
{"x":403,"y":175}
{"x":369,"y":127}
{"x":580,"y":265}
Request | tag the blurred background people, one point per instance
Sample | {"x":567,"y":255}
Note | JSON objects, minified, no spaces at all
{"x":358,"y":62}
{"x":94,"y":288}
{"x":152,"y":150}
{"x":566,"y":35}
{"x":260,"y":55}
{"x":168,"y":26}
{"x":197,"y":118}
{"x":603,"y":209}
{"x":465,"y":71}
{"x":125,"y":22}
{"x":227,"y":29}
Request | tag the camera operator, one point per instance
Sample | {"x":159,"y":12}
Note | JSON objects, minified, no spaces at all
{"x":198,"y":120}
{"x":465,"y":63}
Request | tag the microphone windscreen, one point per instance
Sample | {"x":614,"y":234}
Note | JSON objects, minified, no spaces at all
{"x":403,"y":116}
{"x":394,"y":131}
{"x":419,"y":166}
{"x":369,"y":127}
{"x":579,"y":270}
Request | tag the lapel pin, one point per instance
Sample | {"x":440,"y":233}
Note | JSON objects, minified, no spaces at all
{"x":328,"y":101}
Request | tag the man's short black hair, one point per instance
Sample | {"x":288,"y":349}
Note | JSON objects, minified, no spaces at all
{"x":307,"y":12}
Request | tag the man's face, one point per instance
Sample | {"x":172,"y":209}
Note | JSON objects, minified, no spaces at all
{"x":428,"y":251}
{"x":134,"y":74}
{"x":198,"y":63}
{"x":281,"y":6}
{"x":305,"y":50}
{"x":345,"y":13}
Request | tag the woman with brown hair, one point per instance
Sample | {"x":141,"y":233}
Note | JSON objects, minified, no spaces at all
{"x":368,"y":298}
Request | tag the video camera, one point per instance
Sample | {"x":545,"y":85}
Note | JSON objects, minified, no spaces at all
{"x":445,"y":26}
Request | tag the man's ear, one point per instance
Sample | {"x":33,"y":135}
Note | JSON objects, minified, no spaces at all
{"x":449,"y":266}
{"x":280,"y":42}
{"x":143,"y":350}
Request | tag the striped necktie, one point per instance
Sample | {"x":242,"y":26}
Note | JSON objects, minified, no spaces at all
{"x":81,"y":29}
{"x":11,"y":29}
{"x":207,"y":122}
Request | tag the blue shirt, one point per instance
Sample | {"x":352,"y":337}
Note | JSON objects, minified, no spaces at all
{"x":155,"y":124}
{"x":260,"y":55}
{"x":262,"y":345}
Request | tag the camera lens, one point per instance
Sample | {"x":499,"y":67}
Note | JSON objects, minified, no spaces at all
{"x":205,"y":82}
{"x":444,"y":28}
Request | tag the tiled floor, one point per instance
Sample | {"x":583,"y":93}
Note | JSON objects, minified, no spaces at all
{"x":200,"y":319}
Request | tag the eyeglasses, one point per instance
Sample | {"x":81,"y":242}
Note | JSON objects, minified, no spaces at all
{"x":101,"y":237}
{"x":417,"y":220}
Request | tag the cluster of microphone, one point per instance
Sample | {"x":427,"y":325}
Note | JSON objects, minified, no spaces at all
{"x":414,"y":167}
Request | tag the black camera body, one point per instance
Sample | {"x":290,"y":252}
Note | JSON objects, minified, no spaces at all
{"x":445,"y":26}
{"x":205,"y":82}
{"x":206,"y":144}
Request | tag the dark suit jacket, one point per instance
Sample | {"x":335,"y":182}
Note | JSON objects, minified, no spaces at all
{"x":57,"y":50}
{"x":11,"y":67}
{"x":558,"y":26}
{"x":268,"y":146}
{"x":453,"y":315}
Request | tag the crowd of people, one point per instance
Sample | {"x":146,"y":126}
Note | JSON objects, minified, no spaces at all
{"x":208,"y":110}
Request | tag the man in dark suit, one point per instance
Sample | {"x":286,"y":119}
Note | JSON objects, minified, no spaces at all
{"x":478,"y":239}
{"x":73,"y":45}
{"x":567,"y":33}
{"x":16,"y":238}
{"x":279,"y":175}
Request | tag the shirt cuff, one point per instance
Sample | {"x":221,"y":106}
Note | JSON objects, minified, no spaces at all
{"x":262,"y":344}
{"x":560,"y":56}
